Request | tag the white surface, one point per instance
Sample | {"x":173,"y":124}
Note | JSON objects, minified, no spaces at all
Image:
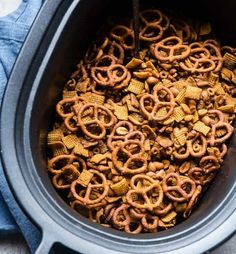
{"x":8,"y":6}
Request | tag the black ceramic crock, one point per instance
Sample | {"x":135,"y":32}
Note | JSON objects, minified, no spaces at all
{"x":54,"y":46}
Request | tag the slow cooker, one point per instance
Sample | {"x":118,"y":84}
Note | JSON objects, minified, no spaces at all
{"x":56,"y":42}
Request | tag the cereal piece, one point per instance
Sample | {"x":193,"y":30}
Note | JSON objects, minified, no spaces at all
{"x":213,"y":79}
{"x":230,"y":100}
{"x":70,"y":141}
{"x":219,"y":89}
{"x":180,"y":98}
{"x":229,"y":61}
{"x":193,"y":92}
{"x":53,"y":137}
{"x":97,"y":158}
{"x":85,"y":178}
{"x":180,"y":137}
{"x":96,"y":98}
{"x":169,"y":217}
{"x":165,"y":225}
{"x":195,"y":117}
{"x":229,"y":108}
{"x":58,"y":148}
{"x":220,"y":132}
{"x":121,"y":112}
{"x":80,"y":150}
{"x":136,"y":119}
{"x":112,"y":199}
{"x":151,"y":65}
{"x":135,"y":86}
{"x":226,"y":74}
{"x":69,"y":94}
{"x":82,"y":86}
{"x":178,"y":114}
{"x":147,"y":146}
{"x":169,"y":120}
{"x":131,"y":108}
{"x":133,"y":63}
{"x":141,"y":74}
{"x":93,"y":98}
{"x":205,"y":29}
{"x":161,"y":112}
{"x":121,"y":187}
{"x":201,"y":127}
{"x":180,"y":84}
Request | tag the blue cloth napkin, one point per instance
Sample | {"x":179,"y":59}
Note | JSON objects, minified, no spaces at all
{"x":13,"y":30}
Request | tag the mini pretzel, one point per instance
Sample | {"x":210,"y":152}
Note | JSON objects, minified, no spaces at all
{"x":135,"y":227}
{"x":218,"y":114}
{"x":67,"y":175}
{"x":173,"y":187}
{"x":65,"y":107}
{"x":150,"y":16}
{"x":134,"y":161}
{"x":198,"y":61}
{"x":223,"y":150}
{"x":171,"y":49}
{"x":199,"y":176}
{"x":183,"y":27}
{"x":163,"y":210}
{"x":145,"y":181}
{"x":117,"y":51}
{"x":117,"y":80}
{"x":151,"y":197}
{"x":151,"y":33}
{"x":192,"y":201}
{"x":97,"y":112}
{"x":121,"y":216}
{"x":215,"y":54}
{"x":99,"y":72}
{"x":136,"y":213}
{"x":111,"y":74}
{"x":209,"y":164}
{"x":56,"y":164}
{"x":124,"y":35}
{"x":121,"y":219}
{"x":150,"y":110}
{"x":150,"y":223}
{"x":181,"y":153}
{"x":197,"y":150}
{"x":117,"y":135}
{"x":94,"y":185}
{"x":216,"y":140}
{"x":123,"y":131}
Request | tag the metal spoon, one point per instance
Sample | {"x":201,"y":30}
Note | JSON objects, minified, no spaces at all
{"x":135,"y":4}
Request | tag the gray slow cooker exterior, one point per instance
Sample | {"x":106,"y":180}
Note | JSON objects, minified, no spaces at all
{"x":55,"y":44}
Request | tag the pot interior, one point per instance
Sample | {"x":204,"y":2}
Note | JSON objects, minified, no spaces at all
{"x":63,"y":55}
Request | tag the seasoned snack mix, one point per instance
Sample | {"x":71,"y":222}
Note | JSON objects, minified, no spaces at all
{"x":137,"y":141}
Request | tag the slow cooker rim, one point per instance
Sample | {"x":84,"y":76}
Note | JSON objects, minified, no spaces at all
{"x":8,"y":93}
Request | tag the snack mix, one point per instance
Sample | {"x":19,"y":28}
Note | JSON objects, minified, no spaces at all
{"x":137,"y":140}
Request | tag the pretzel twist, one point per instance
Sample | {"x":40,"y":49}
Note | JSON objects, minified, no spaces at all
{"x":150,"y":104}
{"x":96,"y":120}
{"x":174,"y":187}
{"x":171,"y":49}
{"x":90,"y":197}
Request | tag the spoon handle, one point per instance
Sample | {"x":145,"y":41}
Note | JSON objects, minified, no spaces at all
{"x":136,"y":27}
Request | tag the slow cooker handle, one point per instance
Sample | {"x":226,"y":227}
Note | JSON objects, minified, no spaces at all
{"x":45,"y":244}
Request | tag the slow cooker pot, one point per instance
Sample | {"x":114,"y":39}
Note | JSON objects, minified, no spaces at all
{"x":54,"y":46}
